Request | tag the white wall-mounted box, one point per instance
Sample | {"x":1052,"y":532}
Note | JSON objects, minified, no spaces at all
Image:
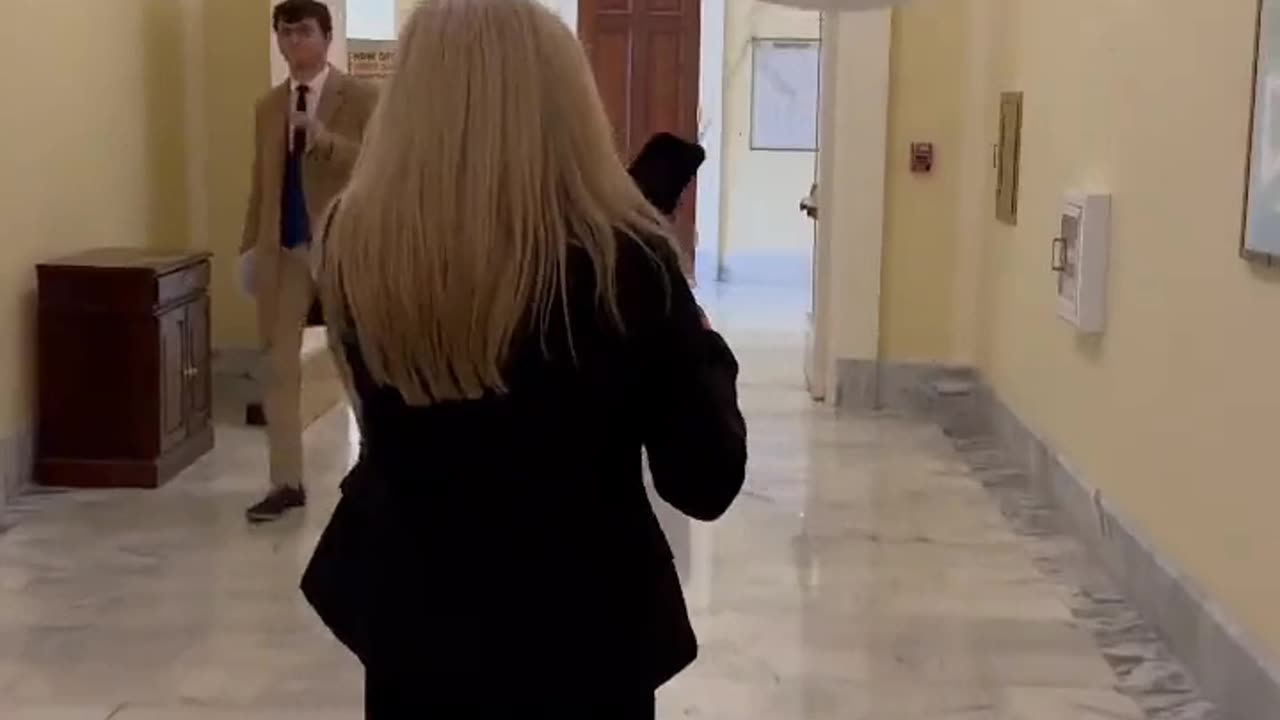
{"x":1080,"y":260}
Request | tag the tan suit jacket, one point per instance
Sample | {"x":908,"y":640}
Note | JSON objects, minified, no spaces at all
{"x":345,"y":106}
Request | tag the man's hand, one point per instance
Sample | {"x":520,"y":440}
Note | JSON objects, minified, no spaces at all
{"x":247,"y":269}
{"x":300,"y":120}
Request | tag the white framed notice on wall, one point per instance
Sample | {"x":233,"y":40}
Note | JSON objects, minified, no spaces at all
{"x":784,"y":94}
{"x":1261,"y":240}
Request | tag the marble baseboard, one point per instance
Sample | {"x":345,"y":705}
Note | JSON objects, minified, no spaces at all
{"x":237,"y":381}
{"x":936,"y":390}
{"x":238,"y":377}
{"x":782,"y":267}
{"x":1229,"y":668}
{"x":17,"y":454}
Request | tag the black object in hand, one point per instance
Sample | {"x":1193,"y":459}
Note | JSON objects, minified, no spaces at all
{"x":315,"y":315}
{"x":664,"y":167}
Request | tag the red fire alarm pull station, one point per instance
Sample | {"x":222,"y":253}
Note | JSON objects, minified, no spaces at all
{"x":922,"y":157}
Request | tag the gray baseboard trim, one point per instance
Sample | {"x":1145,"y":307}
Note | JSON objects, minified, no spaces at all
{"x":237,"y":375}
{"x":17,"y":464}
{"x":239,"y":379}
{"x":1229,"y":668}
{"x":237,"y":382}
{"x":919,"y":388}
{"x":781,"y":267}
{"x":240,"y":372}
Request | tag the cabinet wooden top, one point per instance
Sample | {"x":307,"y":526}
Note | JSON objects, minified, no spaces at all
{"x":159,"y":262}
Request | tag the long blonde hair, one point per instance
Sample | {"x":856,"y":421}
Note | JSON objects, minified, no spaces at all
{"x":488,"y":156}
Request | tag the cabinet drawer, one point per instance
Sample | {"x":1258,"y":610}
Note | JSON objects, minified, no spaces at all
{"x":183,"y":283}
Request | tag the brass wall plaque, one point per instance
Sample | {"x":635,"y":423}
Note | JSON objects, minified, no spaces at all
{"x":1008,"y":156}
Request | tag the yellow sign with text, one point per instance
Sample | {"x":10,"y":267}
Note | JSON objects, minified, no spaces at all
{"x":371,"y":59}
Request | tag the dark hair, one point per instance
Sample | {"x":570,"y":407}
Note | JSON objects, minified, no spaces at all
{"x":295,"y":11}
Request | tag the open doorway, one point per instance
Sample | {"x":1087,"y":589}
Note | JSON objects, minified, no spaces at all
{"x":646,"y":57}
{"x":761,"y":286}
{"x":741,"y":77}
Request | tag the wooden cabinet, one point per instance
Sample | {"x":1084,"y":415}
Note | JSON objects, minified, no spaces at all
{"x":124,"y":394}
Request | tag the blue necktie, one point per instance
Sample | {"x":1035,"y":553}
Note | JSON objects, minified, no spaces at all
{"x":295,"y":223}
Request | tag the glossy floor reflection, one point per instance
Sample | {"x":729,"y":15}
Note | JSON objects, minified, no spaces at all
{"x":862,"y":576}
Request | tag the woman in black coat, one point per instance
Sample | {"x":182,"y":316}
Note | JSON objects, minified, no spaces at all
{"x":517,"y":329}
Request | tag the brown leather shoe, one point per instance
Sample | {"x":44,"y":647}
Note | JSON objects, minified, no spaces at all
{"x":276,"y":504}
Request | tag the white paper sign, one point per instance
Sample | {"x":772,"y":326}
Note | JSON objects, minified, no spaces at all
{"x":784,"y":95}
{"x":1262,"y":216}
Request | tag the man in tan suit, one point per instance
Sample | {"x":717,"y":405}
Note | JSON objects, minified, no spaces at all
{"x":309,"y":130}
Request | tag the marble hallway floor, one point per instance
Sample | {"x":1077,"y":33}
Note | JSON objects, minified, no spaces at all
{"x":863,"y":575}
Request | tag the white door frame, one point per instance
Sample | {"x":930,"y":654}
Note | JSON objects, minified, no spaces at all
{"x":851,"y":169}
{"x":853,"y":122}
{"x":853,"y":145}
{"x":711,"y":110}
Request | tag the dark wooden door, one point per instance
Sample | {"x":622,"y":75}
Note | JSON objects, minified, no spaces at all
{"x":173,"y":377}
{"x":645,"y":57}
{"x":199,"y":388}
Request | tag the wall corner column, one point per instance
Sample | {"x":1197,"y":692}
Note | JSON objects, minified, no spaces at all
{"x":852,"y":194}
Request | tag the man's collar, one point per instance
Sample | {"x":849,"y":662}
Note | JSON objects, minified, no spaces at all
{"x":315,"y":84}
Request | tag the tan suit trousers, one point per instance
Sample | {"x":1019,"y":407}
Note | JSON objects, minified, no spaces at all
{"x":283,"y":392}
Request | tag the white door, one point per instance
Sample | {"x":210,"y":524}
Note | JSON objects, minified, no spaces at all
{"x":815,"y":375}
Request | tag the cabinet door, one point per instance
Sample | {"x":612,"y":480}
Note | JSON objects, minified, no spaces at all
{"x":173,"y":377}
{"x":199,"y":387}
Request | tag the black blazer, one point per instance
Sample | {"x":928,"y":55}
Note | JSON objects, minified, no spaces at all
{"x":502,"y":553}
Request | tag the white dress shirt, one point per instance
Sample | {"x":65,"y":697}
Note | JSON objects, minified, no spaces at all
{"x":315,"y":87}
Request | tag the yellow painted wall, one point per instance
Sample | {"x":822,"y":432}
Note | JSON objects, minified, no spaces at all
{"x":234,"y":71}
{"x":760,"y":204}
{"x":90,"y":150}
{"x":404,"y":8}
{"x":1172,"y":413}
{"x":154,"y":152}
{"x":927,"y":61}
